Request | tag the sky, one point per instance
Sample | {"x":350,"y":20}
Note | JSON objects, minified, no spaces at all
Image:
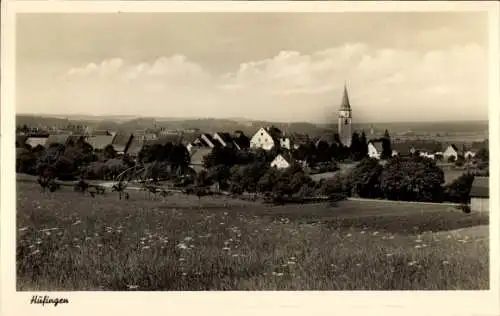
{"x":266,"y":66}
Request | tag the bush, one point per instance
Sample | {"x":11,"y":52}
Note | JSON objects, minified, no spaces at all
{"x":412,"y":179}
{"x":365,"y":179}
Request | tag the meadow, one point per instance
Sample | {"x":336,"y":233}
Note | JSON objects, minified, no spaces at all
{"x":67,"y":241}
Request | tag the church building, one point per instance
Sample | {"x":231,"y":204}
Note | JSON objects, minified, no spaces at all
{"x":345,"y":120}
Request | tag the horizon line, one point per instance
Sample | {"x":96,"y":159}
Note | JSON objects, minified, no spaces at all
{"x":236,"y":119}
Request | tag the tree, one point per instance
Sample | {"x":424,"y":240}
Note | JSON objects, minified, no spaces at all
{"x":483,"y":155}
{"x":220,"y":156}
{"x":386,"y":146}
{"x":365,"y":178}
{"x":355,"y":149}
{"x":25,"y":161}
{"x":220,"y":174}
{"x":458,"y":191}
{"x":109,"y":152}
{"x":363,"y":145}
{"x":412,"y":179}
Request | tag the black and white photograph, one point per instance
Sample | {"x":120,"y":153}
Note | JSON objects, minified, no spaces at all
{"x":252,"y":151}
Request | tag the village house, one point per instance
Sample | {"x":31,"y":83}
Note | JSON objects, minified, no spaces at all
{"x":121,"y":141}
{"x":286,"y":142}
{"x":480,"y":195}
{"x":280,"y":162}
{"x":197,"y":156}
{"x":135,"y":146}
{"x":451,"y":151}
{"x":225,"y":139}
{"x":100,"y":142}
{"x":469,"y":155}
{"x":266,"y":138}
{"x":241,"y":141}
{"x":35,"y":141}
{"x":374,"y":149}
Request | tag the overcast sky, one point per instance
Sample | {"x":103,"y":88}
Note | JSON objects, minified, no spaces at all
{"x":272,"y":66}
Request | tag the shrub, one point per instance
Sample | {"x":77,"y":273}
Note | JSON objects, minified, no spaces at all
{"x":412,"y":179}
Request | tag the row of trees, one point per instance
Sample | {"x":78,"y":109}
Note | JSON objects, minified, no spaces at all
{"x":410,"y":178}
{"x":324,"y":151}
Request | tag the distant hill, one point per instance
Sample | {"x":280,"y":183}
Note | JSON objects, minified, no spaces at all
{"x":211,"y":125}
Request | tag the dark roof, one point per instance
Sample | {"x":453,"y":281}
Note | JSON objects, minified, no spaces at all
{"x":299,"y":138}
{"x":329,"y":138}
{"x":345,"y":105}
{"x":480,"y":187}
{"x":164,"y":139}
{"x":58,"y":139}
{"x":135,"y":146}
{"x":225,"y":137}
{"x":121,"y":141}
{"x":100,"y":141}
{"x":275,"y":132}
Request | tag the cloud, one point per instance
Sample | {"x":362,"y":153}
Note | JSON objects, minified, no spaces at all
{"x":384,"y":84}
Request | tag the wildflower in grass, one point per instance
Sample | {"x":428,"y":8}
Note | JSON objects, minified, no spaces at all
{"x":99,"y":245}
{"x":445,"y":262}
{"x":390,"y":237}
{"x":363,"y":232}
{"x":418,"y":240}
{"x":388,"y":254}
{"x":349,"y":235}
{"x":418,"y":246}
{"x":412,"y":263}
{"x":22,"y":229}
{"x":291,"y":262}
{"x":358,"y":264}
{"x":145,"y":247}
{"x":375,"y":233}
{"x":132,"y":287}
{"x":35,"y":252}
{"x":226,"y":248}
{"x":225,"y":213}
{"x":182,"y":259}
{"x":188,"y":238}
{"x":236,"y":255}
{"x":48,"y":233}
{"x":182,"y":246}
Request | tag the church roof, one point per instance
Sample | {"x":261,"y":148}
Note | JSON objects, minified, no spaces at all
{"x":345,"y":101}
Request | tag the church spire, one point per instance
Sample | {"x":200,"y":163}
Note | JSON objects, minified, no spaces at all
{"x":345,"y":100}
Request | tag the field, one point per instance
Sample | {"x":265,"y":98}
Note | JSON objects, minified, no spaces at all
{"x":66,"y":241}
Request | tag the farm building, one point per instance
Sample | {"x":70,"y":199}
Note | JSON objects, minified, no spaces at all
{"x":469,"y":154}
{"x":197,"y":156}
{"x":135,"y":146}
{"x":241,"y":141}
{"x":225,"y":139}
{"x":265,"y":138}
{"x":451,"y":151}
{"x":121,"y":141}
{"x":480,"y":195}
{"x":100,"y":141}
{"x":375,"y":149}
{"x":281,"y":162}
{"x":35,"y":141}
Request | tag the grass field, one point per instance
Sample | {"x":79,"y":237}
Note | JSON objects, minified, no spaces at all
{"x":66,"y":241}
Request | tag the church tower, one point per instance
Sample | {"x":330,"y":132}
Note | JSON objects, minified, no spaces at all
{"x":345,"y":120}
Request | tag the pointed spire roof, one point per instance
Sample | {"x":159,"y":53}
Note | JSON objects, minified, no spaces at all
{"x":345,"y":100}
